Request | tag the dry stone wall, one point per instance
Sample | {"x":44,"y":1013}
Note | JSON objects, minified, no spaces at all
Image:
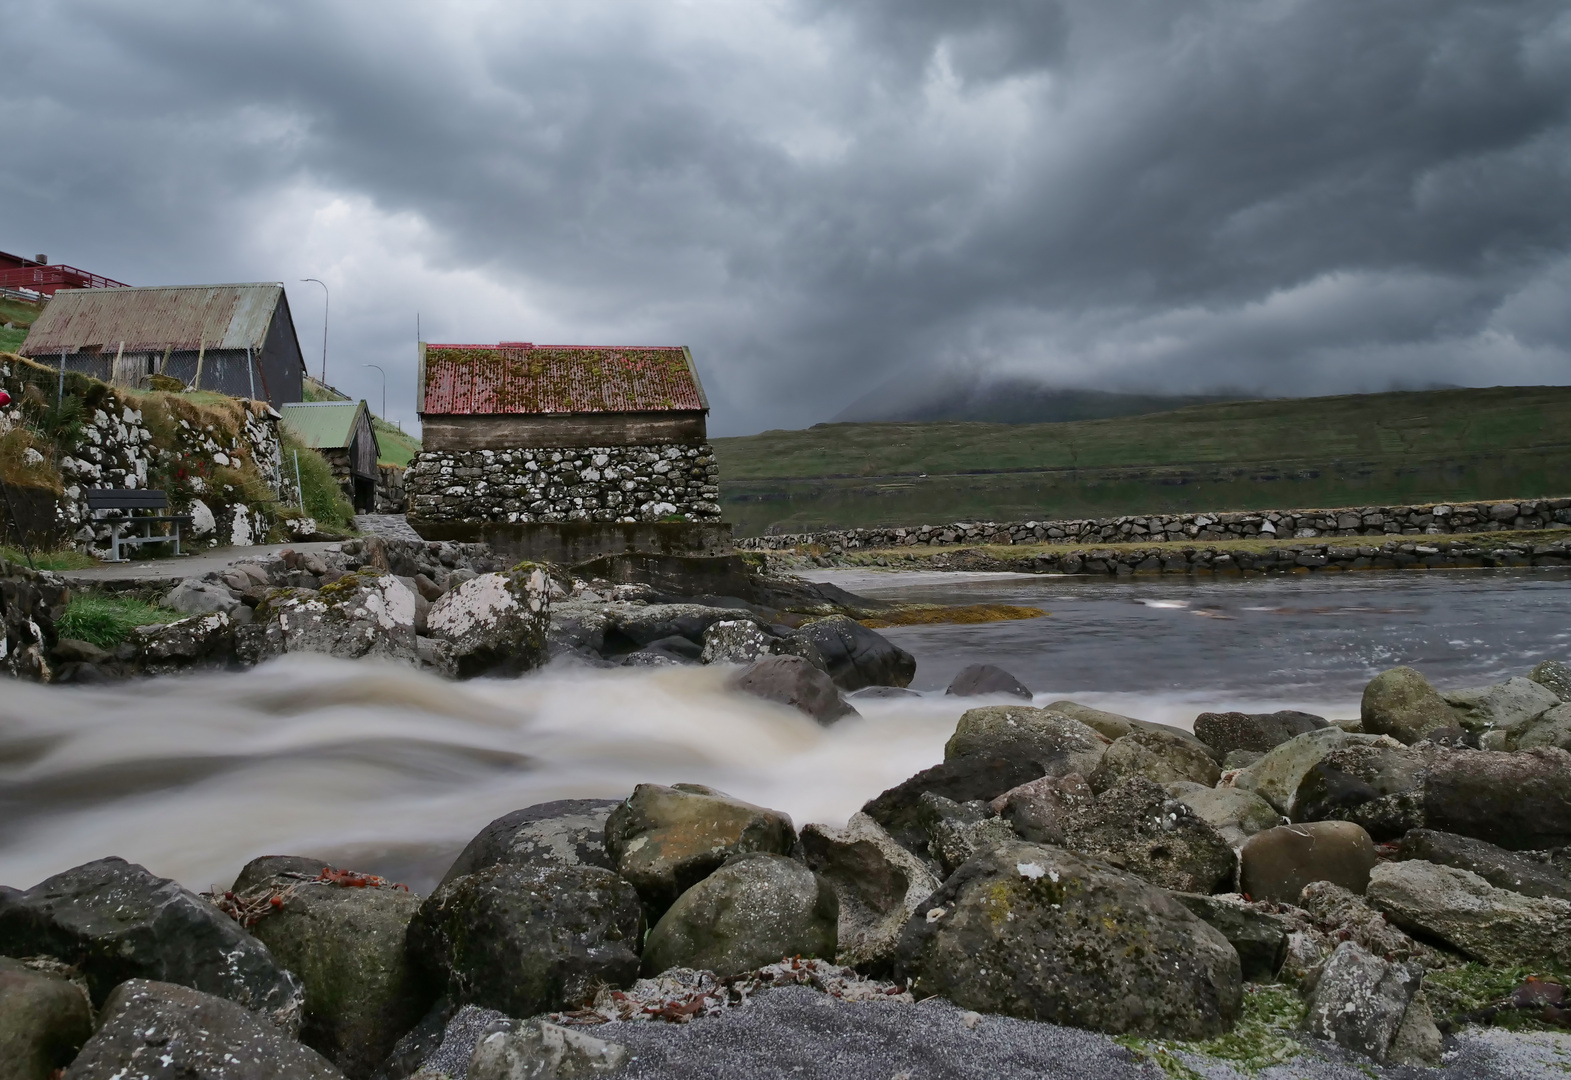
{"x":664,"y":482}
{"x":1368,"y":521}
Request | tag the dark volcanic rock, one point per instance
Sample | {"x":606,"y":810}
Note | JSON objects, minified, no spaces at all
{"x":1277,"y":863}
{"x":169,"y":1032}
{"x":1057,"y":744}
{"x":1258,"y":732}
{"x":527,"y":939}
{"x":1519,"y":801}
{"x":567,"y":832}
{"x":665,"y":840}
{"x":979,"y":679}
{"x":1261,"y":939}
{"x":959,"y":831}
{"x":1377,"y":787}
{"x":985,"y":777}
{"x":853,"y":655}
{"x":793,"y":681}
{"x":754,"y":910}
{"x":44,"y":1020}
{"x":1034,"y":931}
{"x":1156,"y":756}
{"x":1501,"y":868}
{"x":1137,"y":826}
{"x":115,"y":921}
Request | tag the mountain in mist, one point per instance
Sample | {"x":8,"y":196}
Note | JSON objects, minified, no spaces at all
{"x":960,"y":396}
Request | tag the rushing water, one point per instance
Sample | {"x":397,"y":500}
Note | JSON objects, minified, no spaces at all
{"x":391,"y":771}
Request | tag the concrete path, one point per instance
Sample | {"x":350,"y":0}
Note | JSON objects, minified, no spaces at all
{"x":173,"y":568}
{"x":388,"y":526}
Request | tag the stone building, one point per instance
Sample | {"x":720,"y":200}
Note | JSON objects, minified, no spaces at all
{"x":341,"y":432}
{"x":565,"y":452}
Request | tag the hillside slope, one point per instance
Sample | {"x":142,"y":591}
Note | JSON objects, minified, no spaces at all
{"x":1461,"y":444}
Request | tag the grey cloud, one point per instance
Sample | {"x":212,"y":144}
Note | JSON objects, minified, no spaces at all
{"x":1288,"y":197}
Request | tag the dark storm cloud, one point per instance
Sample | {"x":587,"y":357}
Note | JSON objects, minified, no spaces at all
{"x":1286,"y":196}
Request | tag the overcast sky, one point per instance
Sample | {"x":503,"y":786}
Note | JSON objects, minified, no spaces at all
{"x":1279,"y":196}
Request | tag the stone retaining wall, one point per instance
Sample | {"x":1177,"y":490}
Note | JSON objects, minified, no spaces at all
{"x":1431,"y":519}
{"x":664,"y":482}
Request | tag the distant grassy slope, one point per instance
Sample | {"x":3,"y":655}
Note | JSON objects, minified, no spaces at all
{"x":1332,"y":451}
{"x":398,"y":447}
{"x":20,"y":314}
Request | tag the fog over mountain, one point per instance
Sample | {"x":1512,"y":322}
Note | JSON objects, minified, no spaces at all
{"x":1287,"y":197}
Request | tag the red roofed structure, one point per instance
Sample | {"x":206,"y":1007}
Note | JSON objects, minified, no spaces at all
{"x":518,"y":394}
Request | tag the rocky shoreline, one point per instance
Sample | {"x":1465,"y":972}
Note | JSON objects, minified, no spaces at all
{"x":1266,"y":888}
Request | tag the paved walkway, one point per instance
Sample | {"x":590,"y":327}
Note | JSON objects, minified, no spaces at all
{"x":387,"y":526}
{"x":173,"y":568}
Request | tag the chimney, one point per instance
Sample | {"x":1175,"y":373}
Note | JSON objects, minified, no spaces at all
{"x":41,"y":260}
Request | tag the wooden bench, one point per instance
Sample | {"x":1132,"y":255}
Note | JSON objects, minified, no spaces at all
{"x":132,"y":500}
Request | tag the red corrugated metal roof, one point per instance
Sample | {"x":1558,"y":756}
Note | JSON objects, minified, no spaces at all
{"x":537,"y":379}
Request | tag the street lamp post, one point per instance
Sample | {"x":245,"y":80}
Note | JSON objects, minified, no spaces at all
{"x":384,"y":387}
{"x":326,"y":298}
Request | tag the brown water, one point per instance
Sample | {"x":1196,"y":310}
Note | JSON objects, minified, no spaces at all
{"x":391,"y":771}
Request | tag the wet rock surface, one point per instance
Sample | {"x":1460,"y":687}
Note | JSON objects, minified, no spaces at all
{"x":1503,"y":869}
{"x":114,"y":921}
{"x":1360,"y":1002}
{"x":1402,"y":704}
{"x":794,"y":681}
{"x":1519,"y":801}
{"x":1040,"y":811}
{"x":1139,"y":828}
{"x":1034,"y":931}
{"x":1376,"y":787}
{"x":1233,"y":812}
{"x":1260,"y":938}
{"x":537,"y":1050}
{"x":974,"y":777}
{"x":566,"y":832}
{"x":979,"y":680}
{"x":959,"y":831}
{"x":1259,"y":732}
{"x":854,"y":656}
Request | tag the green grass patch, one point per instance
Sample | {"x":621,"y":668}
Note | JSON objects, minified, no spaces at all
{"x":11,"y":340}
{"x":398,"y":447}
{"x":106,"y":621}
{"x":1263,"y":1036}
{"x":324,"y":499}
{"x":1467,"y":988}
{"x":50,"y":560}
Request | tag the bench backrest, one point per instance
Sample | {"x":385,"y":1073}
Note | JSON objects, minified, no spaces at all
{"x":126,"y":499}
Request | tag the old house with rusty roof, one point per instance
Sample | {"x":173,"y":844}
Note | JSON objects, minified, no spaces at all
{"x":564,"y":451}
{"x":235,"y":339}
{"x":341,"y":431}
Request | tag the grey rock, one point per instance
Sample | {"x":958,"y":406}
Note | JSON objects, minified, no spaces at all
{"x":1240,"y":759}
{"x":883,"y":693}
{"x":1136,"y":826}
{"x":1259,"y":938}
{"x":752,"y":911}
{"x":1034,"y":931}
{"x":44,"y":1020}
{"x":1401,"y":703}
{"x":665,"y":840}
{"x":736,"y":641}
{"x":568,"y":832}
{"x":976,"y":776}
{"x":1470,"y":915}
{"x":1360,"y":1000}
{"x":527,"y":939}
{"x":540,"y":1051}
{"x":1276,"y":864}
{"x":170,"y":1032}
{"x":115,"y":921}
{"x":1418,"y":1040}
{"x":1155,"y":756}
{"x":1115,"y":726}
{"x":1275,"y":777}
{"x":194,"y":596}
{"x":677,"y":648}
{"x":74,"y":650}
{"x":958,"y":831}
{"x":1501,"y":868}
{"x":1554,"y":675}
{"x":1235,"y":813}
{"x":1057,"y":744}
{"x":1508,"y":706}
{"x":364,"y":614}
{"x":195,"y":643}
{"x":1553,"y":728}
{"x":1377,"y":787}
{"x":1041,"y":811}
{"x":346,"y":945}
{"x":1519,"y":801}
{"x":878,"y":883}
{"x":1258,"y":732}
{"x":793,"y":681}
{"x":855,"y":656}
{"x":495,"y":624}
{"x":1338,"y":914}
{"x":977,"y":680}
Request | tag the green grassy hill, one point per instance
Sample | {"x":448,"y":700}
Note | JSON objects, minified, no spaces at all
{"x":1245,"y":455}
{"x":20,"y":314}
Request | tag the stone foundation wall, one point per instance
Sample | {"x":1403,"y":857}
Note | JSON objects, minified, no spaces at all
{"x":390,"y":497}
{"x":1431,"y":519}
{"x":668,"y":482}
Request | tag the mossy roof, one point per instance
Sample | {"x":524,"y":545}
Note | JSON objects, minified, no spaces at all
{"x":524,"y":379}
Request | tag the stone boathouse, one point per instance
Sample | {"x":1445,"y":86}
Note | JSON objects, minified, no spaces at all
{"x":565,"y":452}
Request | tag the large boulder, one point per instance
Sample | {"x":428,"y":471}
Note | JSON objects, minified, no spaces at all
{"x":1501,"y":868}
{"x":44,"y":1020}
{"x":346,"y":945}
{"x":114,"y":921}
{"x":1055,"y":743}
{"x":1361,"y":1001}
{"x":1461,"y":909}
{"x":752,"y":911}
{"x":364,"y":614}
{"x":165,"y":1031}
{"x":1555,"y":675}
{"x":1277,"y":863}
{"x":1115,"y":725}
{"x":195,"y":643}
{"x":1036,"y":932}
{"x":567,"y":832}
{"x":1235,"y":813}
{"x":1136,"y":826}
{"x":1519,"y":801}
{"x":1401,"y":703}
{"x":1041,"y":811}
{"x":495,"y":624}
{"x":975,"y":776}
{"x":1377,"y":787}
{"x":1259,"y":937}
{"x":665,"y":840}
{"x":853,"y":655}
{"x":1501,"y":708}
{"x":878,"y":883}
{"x":193,"y":596}
{"x":980,"y":680}
{"x":1275,"y":777}
{"x":1553,"y":728}
{"x":730,"y":641}
{"x":1155,"y":756}
{"x":527,"y":939}
{"x":793,"y":681}
{"x":1259,"y":732}
{"x":537,"y":1050}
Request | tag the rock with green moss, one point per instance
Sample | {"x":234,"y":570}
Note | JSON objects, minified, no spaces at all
{"x":1504,"y":708}
{"x":752,"y":911}
{"x":1116,"y":726}
{"x":1377,"y":787}
{"x":665,"y":840}
{"x":1553,"y":728}
{"x":1401,"y":703}
{"x":495,"y":624}
{"x":1555,"y":675}
{"x":1037,"y":932}
{"x":364,"y":614}
{"x":1156,"y":756}
{"x":1235,"y":813}
{"x":346,"y":944}
{"x":1275,"y":777}
{"x":1056,"y":743}
{"x":1136,"y":826}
